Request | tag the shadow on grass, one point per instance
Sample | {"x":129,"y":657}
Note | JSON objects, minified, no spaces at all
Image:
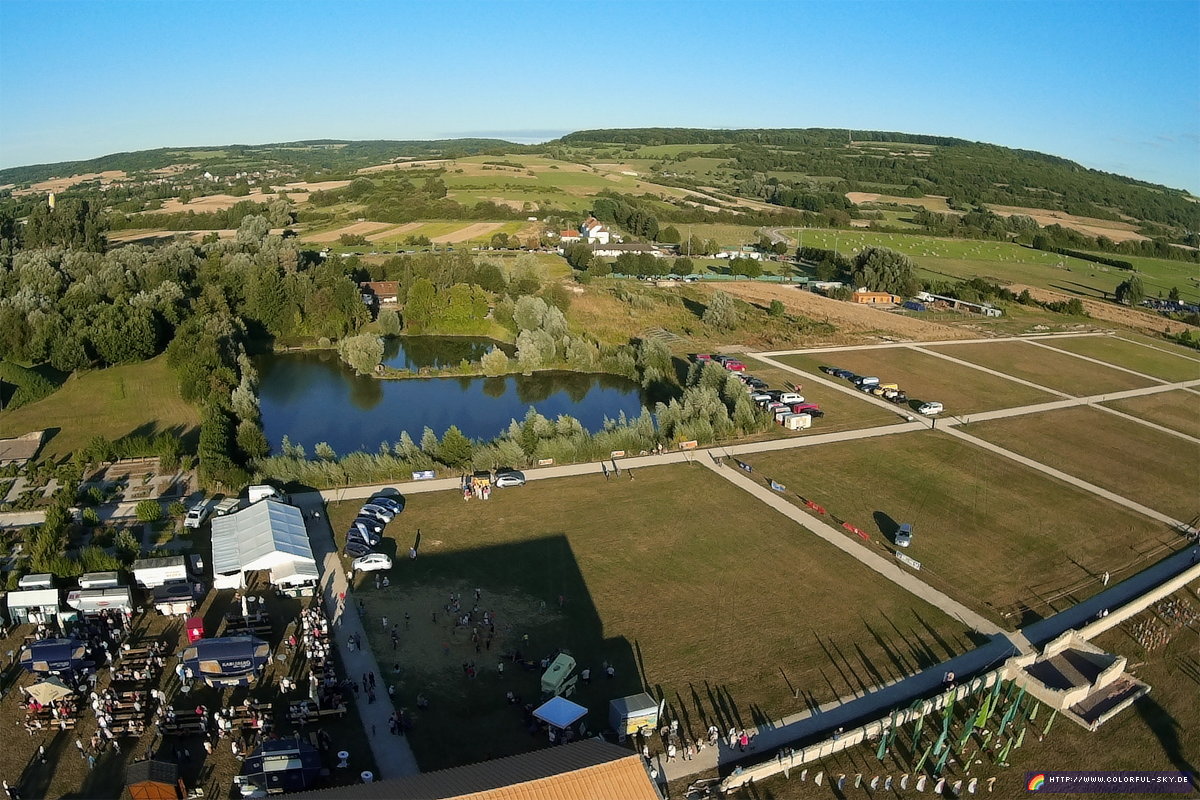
{"x":470,"y":719}
{"x":1166,"y":729}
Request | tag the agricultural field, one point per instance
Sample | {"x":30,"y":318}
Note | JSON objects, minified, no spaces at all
{"x":925,"y":378}
{"x":1178,"y":410}
{"x":1148,"y":466}
{"x":114,"y":402}
{"x":633,"y":572}
{"x":1006,"y":263}
{"x":1160,"y":363}
{"x":974,"y":515}
{"x":724,"y":234}
{"x":1062,"y":372}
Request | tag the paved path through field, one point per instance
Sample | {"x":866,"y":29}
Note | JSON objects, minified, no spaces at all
{"x":393,"y":757}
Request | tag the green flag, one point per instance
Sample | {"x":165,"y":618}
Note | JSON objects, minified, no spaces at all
{"x":995,"y":700}
{"x":937,"y":770}
{"x":1012,"y":710}
{"x":1050,"y":721}
{"x":881,"y":751}
{"x":918,"y":727}
{"x":1021,"y":736}
{"x":923,"y":758}
{"x":1004,"y":753}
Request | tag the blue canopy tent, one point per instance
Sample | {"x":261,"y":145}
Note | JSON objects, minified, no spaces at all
{"x":228,"y":661}
{"x":54,"y":656}
{"x":559,"y":712}
{"x":282,"y":765}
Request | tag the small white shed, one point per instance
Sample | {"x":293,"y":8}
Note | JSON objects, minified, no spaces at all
{"x":33,"y":605}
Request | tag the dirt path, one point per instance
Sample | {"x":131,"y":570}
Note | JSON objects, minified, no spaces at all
{"x":1110,"y":312}
{"x":848,"y":317}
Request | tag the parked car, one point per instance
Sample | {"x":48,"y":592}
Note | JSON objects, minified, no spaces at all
{"x":370,"y":523}
{"x":828,"y":370}
{"x":196,"y":515}
{"x":791,"y":397}
{"x":379,"y":512}
{"x":812,"y":409}
{"x":930,"y":409}
{"x":868,"y":380}
{"x":702,"y":357}
{"x":356,"y":548}
{"x":393,"y":504}
{"x":904,"y":535}
{"x":510,"y":478}
{"x":756,"y":383}
{"x":734,"y":365}
{"x":371,"y":562}
{"x":363,"y":534}
{"x":898,"y":398}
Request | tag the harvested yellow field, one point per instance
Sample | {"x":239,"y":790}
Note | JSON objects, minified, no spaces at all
{"x":361,"y":228}
{"x":1117,"y":231}
{"x":61,"y":184}
{"x":399,"y":230}
{"x":470,"y":232}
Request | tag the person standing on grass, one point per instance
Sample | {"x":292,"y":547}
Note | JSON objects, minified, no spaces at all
{"x":671,"y":752}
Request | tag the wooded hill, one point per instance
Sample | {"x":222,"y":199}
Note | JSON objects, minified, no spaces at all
{"x":971,"y":173}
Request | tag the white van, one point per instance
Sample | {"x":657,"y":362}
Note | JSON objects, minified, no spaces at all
{"x":868,"y":381}
{"x":930,"y":409}
{"x":791,"y":398}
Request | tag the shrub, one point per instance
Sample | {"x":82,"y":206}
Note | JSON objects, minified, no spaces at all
{"x":148,"y":510}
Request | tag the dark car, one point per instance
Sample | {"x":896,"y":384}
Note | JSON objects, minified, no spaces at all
{"x":757,"y":383}
{"x":845,"y":374}
{"x":356,"y":549}
{"x":393,"y":504}
{"x":828,"y":370}
{"x":897,"y":398}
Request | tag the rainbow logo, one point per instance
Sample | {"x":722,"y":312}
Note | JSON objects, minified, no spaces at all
{"x":1036,"y":782}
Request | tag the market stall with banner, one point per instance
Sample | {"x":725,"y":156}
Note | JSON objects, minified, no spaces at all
{"x":637,"y":713}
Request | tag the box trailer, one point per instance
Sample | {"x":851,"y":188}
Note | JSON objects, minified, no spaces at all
{"x":263,"y":492}
{"x":227,"y":506}
{"x":781,"y":415}
{"x":40,"y":580}
{"x":151,"y":572}
{"x":99,"y":580}
{"x":797,"y":422}
{"x":636,"y":713}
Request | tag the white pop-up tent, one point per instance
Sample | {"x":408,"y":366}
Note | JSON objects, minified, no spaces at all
{"x":268,"y":535}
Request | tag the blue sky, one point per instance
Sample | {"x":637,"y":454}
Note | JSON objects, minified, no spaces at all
{"x":1112,"y":85}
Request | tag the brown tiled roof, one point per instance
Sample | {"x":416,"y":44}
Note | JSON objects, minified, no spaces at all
{"x":382,"y":288}
{"x":566,"y":234}
{"x":589,"y":770}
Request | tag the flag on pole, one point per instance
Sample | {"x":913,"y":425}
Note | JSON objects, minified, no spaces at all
{"x":779,"y":487}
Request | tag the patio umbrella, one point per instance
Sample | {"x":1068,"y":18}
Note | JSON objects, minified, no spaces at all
{"x":49,"y":690}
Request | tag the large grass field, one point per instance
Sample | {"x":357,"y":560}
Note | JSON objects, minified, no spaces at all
{"x":994,"y":534}
{"x":724,"y":234}
{"x":113,"y":402}
{"x":842,"y":412}
{"x":924,"y":378}
{"x":1178,"y":410}
{"x":684,"y":583}
{"x":1148,"y":361}
{"x":1045,"y":368}
{"x":1148,"y":466}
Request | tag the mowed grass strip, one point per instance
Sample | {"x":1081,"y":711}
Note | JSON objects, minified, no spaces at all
{"x":1045,"y":368}
{"x":842,"y":412}
{"x":1178,"y":410}
{"x":1146,"y":360}
{"x":112,"y":403}
{"x":993,"y":532}
{"x":925,"y":378}
{"x":1147,"y":466}
{"x":675,"y":573}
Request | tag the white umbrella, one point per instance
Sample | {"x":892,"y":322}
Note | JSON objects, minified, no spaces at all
{"x":49,"y":690}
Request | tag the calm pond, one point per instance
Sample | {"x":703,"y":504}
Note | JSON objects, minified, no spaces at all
{"x":314,"y":397}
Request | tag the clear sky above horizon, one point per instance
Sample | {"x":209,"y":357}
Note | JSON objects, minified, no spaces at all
{"x":1112,"y":85}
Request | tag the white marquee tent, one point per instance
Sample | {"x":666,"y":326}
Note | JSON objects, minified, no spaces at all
{"x":268,"y":535}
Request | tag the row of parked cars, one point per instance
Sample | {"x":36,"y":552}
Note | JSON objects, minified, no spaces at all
{"x":366,"y":532}
{"x":887,"y":391}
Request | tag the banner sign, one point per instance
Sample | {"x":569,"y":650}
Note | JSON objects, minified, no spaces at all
{"x":688,"y":445}
{"x":779,"y":487}
{"x":617,"y":454}
{"x":912,"y":562}
{"x":742,"y":465}
{"x":861,"y":533}
{"x":545,"y":462}
{"x":424,"y":475}
{"x":815,"y":507}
